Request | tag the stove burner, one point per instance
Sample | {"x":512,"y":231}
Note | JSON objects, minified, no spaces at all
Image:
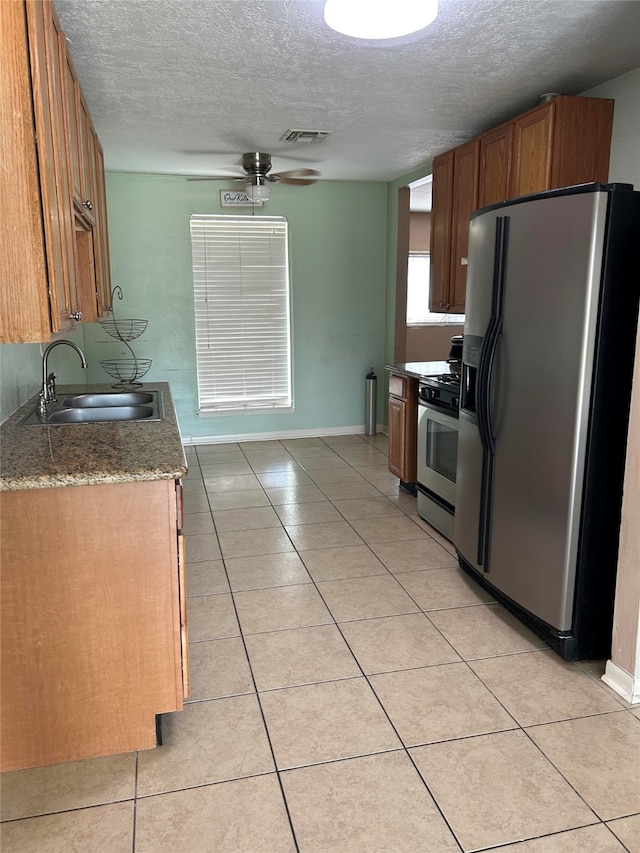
{"x":449,"y":378}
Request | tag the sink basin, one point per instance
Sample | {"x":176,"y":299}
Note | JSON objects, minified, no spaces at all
{"x":108,"y":398}
{"x":99,"y":414}
{"x":101,"y":407}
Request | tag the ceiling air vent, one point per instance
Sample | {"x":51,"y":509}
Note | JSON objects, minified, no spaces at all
{"x":305,"y":135}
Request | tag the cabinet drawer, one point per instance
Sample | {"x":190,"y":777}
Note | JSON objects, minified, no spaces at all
{"x":398,"y":386}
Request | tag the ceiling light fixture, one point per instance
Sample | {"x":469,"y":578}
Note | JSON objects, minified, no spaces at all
{"x":379,"y":19}
{"x":258,"y":191}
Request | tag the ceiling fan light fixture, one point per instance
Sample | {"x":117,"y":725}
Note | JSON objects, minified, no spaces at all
{"x":258,"y":191}
{"x":379,"y":19}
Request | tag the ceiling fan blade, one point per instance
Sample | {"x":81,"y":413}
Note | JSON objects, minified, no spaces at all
{"x":295,"y":173}
{"x":297,"y":182}
{"x":218,"y":178}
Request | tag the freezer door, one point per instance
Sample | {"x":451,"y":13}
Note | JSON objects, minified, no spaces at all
{"x":540,"y":387}
{"x":469,"y":532}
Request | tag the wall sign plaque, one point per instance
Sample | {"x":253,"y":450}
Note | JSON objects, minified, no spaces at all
{"x":238,"y":198}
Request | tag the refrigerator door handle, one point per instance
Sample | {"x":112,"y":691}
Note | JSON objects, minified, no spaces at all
{"x":497,"y":316}
{"x":494,"y":330}
{"x":485,"y":376}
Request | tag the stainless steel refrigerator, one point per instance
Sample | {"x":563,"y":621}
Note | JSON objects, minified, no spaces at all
{"x":552,"y":305}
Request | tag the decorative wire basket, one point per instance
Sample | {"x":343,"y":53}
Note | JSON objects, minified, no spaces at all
{"x":126,"y":370}
{"x":124,"y":330}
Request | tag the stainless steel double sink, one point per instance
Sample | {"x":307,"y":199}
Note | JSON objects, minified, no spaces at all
{"x":101,"y":407}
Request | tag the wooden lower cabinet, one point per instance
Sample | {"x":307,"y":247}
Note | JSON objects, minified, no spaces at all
{"x":93,"y":620}
{"x":403,"y":426}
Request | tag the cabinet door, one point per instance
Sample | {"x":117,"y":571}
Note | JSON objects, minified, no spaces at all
{"x":24,"y":305}
{"x":466,"y":165}
{"x":532,"y":150}
{"x":90,"y":629}
{"x":441,"y":211}
{"x":101,"y":232}
{"x":397,"y":427}
{"x":86,"y":156}
{"x":45,"y":40}
{"x":496,"y":148}
{"x":403,"y":428}
{"x":581,"y":140}
{"x":89,"y":248}
{"x":86,"y":271}
{"x":72,"y":125}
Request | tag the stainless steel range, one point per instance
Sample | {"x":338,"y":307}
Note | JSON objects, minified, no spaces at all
{"x":438,"y":403}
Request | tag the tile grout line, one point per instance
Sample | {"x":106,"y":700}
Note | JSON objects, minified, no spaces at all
{"x":255,"y":691}
{"x":377,"y":699}
{"x":257,"y":695}
{"x":135,"y":805}
{"x":403,"y":748}
{"x":517,"y":726}
{"x":406,"y":749}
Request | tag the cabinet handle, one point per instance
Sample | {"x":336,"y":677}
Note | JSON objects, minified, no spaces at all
{"x":77,"y":315}
{"x":88,"y":204}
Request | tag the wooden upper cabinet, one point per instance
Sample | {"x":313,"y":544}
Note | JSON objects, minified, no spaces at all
{"x":581,"y":140}
{"x":87,"y":157}
{"x":79,"y":141}
{"x":496,"y":148}
{"x":441,"y":220}
{"x":455,"y":196}
{"x":532,"y":149}
{"x":72,"y":121}
{"x":50,"y":262}
{"x":101,"y":232}
{"x":21,"y":319}
{"x":563,"y":142}
{"x":38,"y":301}
{"x":64,"y":296}
{"x":466,"y":163}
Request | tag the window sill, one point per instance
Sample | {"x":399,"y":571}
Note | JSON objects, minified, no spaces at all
{"x":232,"y":413}
{"x":435,"y":323}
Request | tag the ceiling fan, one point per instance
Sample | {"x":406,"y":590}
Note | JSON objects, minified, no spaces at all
{"x":257,"y":177}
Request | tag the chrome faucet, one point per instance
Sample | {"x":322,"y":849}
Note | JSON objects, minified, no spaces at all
{"x":48,"y":393}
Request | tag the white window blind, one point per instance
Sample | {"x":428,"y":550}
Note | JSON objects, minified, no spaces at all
{"x":419,"y":294}
{"x":243,"y":325}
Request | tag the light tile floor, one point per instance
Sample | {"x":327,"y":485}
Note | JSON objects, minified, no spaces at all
{"x":351,"y":690}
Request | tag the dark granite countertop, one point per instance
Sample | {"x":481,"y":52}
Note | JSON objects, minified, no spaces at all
{"x":419,"y":369}
{"x":41,"y":457}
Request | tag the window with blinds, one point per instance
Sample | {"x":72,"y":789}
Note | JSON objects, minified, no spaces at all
{"x":242,"y":307}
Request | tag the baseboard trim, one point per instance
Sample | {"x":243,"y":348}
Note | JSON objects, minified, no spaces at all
{"x":193,"y":440}
{"x":626,"y":685}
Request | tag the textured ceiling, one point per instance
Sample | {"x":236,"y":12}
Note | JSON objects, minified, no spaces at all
{"x":186,"y":86}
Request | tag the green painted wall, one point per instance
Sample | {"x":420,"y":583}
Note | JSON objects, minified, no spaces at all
{"x":20,"y":375}
{"x":343,"y":239}
{"x":21,"y":370}
{"x":338,"y":234}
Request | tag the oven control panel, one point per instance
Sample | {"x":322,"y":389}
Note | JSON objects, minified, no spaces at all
{"x":441,"y":392}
